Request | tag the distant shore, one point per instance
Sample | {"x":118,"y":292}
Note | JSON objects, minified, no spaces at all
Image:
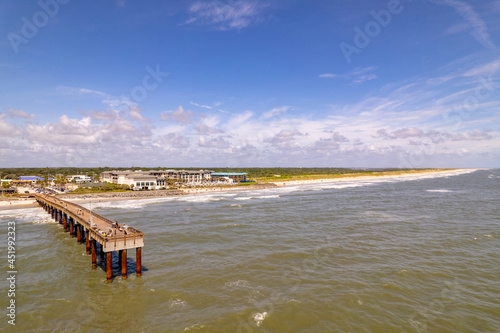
{"x":18,"y":203}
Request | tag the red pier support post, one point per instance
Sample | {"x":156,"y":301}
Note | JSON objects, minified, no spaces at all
{"x":65,"y":224}
{"x":87,"y":242}
{"x":71,"y":228}
{"x":109,"y":267}
{"x":123,"y":263}
{"x":78,"y":233}
{"x":94,"y":254}
{"x":138,"y":263}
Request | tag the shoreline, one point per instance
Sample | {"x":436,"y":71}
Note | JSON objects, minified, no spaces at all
{"x":20,"y":203}
{"x":370,"y":177}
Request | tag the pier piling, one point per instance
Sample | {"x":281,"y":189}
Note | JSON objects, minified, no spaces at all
{"x":94,"y":254}
{"x":78,"y":234}
{"x":87,"y":242}
{"x":123,"y":263}
{"x":109,"y":267}
{"x":138,"y":264}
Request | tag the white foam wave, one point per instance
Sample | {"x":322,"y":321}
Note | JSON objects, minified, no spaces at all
{"x":27,"y":215}
{"x":177,"y":303}
{"x":44,"y":221}
{"x":238,"y":283}
{"x":259,"y":197}
{"x":351,"y":183}
{"x":196,"y":327}
{"x":259,"y":317}
{"x":439,"y":191}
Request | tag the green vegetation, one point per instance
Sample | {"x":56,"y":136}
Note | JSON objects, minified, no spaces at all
{"x":14,"y":173}
{"x":101,"y":189}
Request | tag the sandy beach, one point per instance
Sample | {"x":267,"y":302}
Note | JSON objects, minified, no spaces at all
{"x":372,"y":177}
{"x":18,"y":203}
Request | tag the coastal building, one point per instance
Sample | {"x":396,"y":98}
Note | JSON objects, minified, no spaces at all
{"x":144,"y":182}
{"x":155,"y":179}
{"x":234,"y":177}
{"x":30,"y":180}
{"x":79,"y":179}
{"x":8,"y":190}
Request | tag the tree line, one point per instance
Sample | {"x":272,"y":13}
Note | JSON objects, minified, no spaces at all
{"x":15,"y":173}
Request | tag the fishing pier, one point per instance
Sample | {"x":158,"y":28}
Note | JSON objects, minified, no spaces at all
{"x":95,"y":230}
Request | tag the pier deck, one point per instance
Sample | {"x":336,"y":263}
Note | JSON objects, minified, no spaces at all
{"x":96,"y":228}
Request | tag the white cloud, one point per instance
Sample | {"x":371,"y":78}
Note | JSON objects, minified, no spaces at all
{"x":278,"y":111}
{"x":179,"y":115}
{"x":11,"y":113}
{"x":211,"y":142}
{"x":382,"y":130}
{"x":173,"y":140}
{"x":328,"y":75}
{"x":221,"y":16}
{"x":205,"y":129}
{"x":475,"y":135}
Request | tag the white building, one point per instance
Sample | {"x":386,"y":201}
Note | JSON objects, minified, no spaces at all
{"x":79,"y":179}
{"x":155,"y":179}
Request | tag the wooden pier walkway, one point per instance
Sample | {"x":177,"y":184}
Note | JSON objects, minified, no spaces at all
{"x":96,"y":229}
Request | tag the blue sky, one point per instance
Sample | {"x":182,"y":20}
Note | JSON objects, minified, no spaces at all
{"x":235,"y":83}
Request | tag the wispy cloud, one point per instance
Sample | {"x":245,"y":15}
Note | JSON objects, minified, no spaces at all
{"x":201,"y":106}
{"x":473,"y":19}
{"x":328,"y":76}
{"x":113,"y":102}
{"x":221,"y":16}
{"x":357,"y":75}
{"x":278,"y":111}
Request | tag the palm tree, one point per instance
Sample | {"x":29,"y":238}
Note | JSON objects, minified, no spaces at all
{"x":60,"y":180}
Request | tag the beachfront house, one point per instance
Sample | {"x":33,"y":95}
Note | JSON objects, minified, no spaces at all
{"x":229,"y":177}
{"x":142,"y":182}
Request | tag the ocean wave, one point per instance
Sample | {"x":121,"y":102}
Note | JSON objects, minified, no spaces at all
{"x":440,"y":191}
{"x":259,"y":317}
{"x":238,"y":283}
{"x":196,"y":327}
{"x":259,"y":197}
{"x":175,"y":303}
{"x":27,"y":215}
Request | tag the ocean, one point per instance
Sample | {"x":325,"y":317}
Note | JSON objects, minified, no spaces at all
{"x":403,"y":255}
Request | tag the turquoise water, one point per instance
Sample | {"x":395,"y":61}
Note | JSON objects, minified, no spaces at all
{"x":414,"y":255}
